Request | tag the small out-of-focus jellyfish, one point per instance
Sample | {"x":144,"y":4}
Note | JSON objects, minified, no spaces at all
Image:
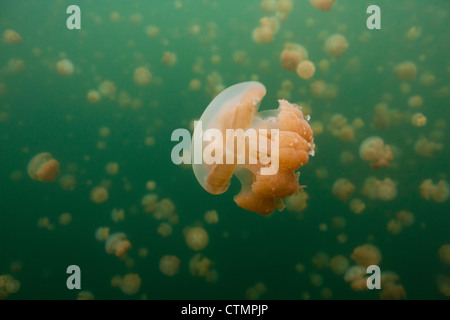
{"x":405,"y":218}
{"x":104,"y":132}
{"x":426,"y":148}
{"x":343,"y":189}
{"x":169,"y":58}
{"x":169,"y":265}
{"x":199,"y":265}
{"x":413,"y":33}
{"x":366,"y":255}
{"x":386,"y":189}
{"x":297,"y":203}
{"x":117,"y":215}
{"x":64,"y":67}
{"x":112,"y":168}
{"x":142,"y":76}
{"x":115,"y":16}
{"x":143,"y":252}
{"x":43,"y":167}
{"x":164,"y":229}
{"x":268,"y":6}
{"x":266,"y":30}
{"x":150,"y":202}
{"x":306,"y":69}
{"x":129,"y":284}
{"x":99,"y":194}
{"x":236,"y":108}
{"x":65,"y":219}
{"x":444,"y":254}
{"x":150,"y":185}
{"x":136,"y":18}
{"x":300,"y":267}
{"x":374,"y":150}
{"x":346,"y":157}
{"x":196,"y":238}
{"x":323,"y":90}
{"x":427,"y":79}
{"x":406,"y":71}
{"x":418,"y":119}
{"x":415,"y":101}
{"x":292,"y":55}
{"x":339,"y":264}
{"x":93,"y":96}
{"x":195,"y":85}
{"x":443,"y":284}
{"x":44,"y":223}
{"x":336,"y":45}
{"x":392,"y":291}
{"x":211,"y":217}
{"x":117,"y":244}
{"x":254,"y":293}
{"x":102,"y":234}
{"x":320,"y":260}
{"x":357,"y":206}
{"x":324,"y":5}
{"x":152,"y":31}
{"x":108,"y":89}
{"x":316,"y":279}
{"x":12,"y":37}
{"x":85,"y":295}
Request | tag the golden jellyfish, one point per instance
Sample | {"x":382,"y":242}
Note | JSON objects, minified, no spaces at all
{"x":12,"y":37}
{"x":117,"y":244}
{"x":108,"y":89}
{"x":306,"y":69}
{"x":297,"y":202}
{"x":199,"y":265}
{"x":292,"y":55}
{"x":336,"y":45}
{"x":169,"y":58}
{"x":93,"y":96}
{"x":357,"y":206}
{"x":150,"y":185}
{"x":152,"y":31}
{"x":406,"y":71}
{"x":142,"y":76}
{"x":426,"y":148}
{"x":85,"y":295}
{"x":195,"y":85}
{"x":64,"y":67}
{"x":196,"y":238}
{"x":346,"y":157}
{"x":115,"y":16}
{"x":117,"y":215}
{"x":284,"y":8}
{"x":444,"y":254}
{"x":354,"y":273}
{"x":102,"y":234}
{"x":418,"y":119}
{"x":320,"y":260}
{"x":150,"y":202}
{"x":374,"y":150}
{"x":366,"y":255}
{"x":112,"y":168}
{"x":169,"y":265}
{"x":443,"y":284}
{"x":266,"y":30}
{"x":130,"y":283}
{"x":268,"y":6}
{"x":405,"y":218}
{"x":266,"y":175}
{"x":339,"y":264}
{"x":415,"y":101}
{"x":43,"y":167}
{"x":164,"y":229}
{"x":99,"y":194}
{"x":324,"y":5}
{"x":67,"y":182}
{"x":211,"y":217}
{"x":65,"y":219}
{"x":343,"y":189}
{"x":386,"y":189}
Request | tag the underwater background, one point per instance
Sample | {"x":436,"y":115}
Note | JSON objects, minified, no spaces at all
{"x":193,"y":49}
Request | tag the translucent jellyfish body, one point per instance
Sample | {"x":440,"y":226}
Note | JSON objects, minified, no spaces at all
{"x":283,"y":141}
{"x":117,"y":244}
{"x":43,"y":167}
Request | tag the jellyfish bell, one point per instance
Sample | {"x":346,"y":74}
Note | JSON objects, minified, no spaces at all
{"x":43,"y":167}
{"x":117,"y":244}
{"x":279,"y":142}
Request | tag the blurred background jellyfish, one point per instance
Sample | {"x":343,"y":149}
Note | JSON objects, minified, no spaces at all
{"x":169,"y":265}
{"x":374,"y":150}
{"x":236,"y":108}
{"x":196,"y":238}
{"x":43,"y":167}
{"x":117,"y":244}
